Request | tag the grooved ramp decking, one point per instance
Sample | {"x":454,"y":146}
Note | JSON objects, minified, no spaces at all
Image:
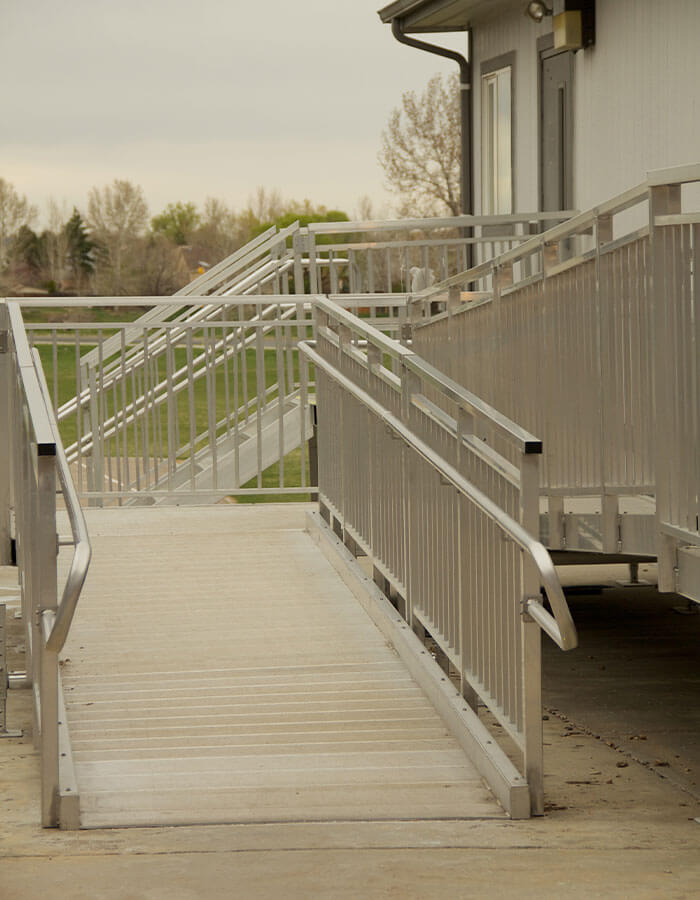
{"x":219,"y":671}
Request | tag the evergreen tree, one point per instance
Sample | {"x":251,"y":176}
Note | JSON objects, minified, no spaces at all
{"x":81,"y":249}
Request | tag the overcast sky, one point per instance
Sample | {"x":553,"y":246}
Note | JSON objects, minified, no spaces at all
{"x":200,"y":98}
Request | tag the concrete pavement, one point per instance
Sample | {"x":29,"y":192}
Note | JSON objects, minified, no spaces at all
{"x":616,"y":825}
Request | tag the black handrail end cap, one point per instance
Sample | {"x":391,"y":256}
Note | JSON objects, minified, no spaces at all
{"x":533,"y":446}
{"x":47,"y":448}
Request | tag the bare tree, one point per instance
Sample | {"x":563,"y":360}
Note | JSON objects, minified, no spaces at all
{"x":161,"y":266}
{"x":366,"y":210}
{"x":15,"y":211}
{"x":117,"y":215}
{"x":219,"y":231}
{"x":421,"y":149}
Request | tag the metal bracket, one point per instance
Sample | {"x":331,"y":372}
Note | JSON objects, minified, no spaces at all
{"x":619,"y":533}
{"x":4,"y":681}
{"x":524,"y":614}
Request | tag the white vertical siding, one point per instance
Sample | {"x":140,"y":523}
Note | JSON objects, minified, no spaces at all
{"x":636,"y":96}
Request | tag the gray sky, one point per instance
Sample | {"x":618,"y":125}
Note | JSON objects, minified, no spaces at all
{"x":191,"y":99}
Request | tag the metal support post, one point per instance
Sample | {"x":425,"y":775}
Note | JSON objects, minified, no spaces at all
{"x":45,"y":554}
{"x":5,"y":432}
{"x":96,"y":458}
{"x":663,"y":200}
{"x":531,"y":641}
{"x":4,"y":679}
{"x":557,"y":537}
{"x":610,"y":524}
{"x":298,"y":246}
{"x":313,"y":269}
{"x":410,"y":383}
{"x":313,"y":449}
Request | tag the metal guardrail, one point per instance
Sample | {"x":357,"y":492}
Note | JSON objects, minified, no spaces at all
{"x":245,"y":270}
{"x":270,"y":260}
{"x":407,"y":254}
{"x":79,"y":540}
{"x":135,"y":427}
{"x":447,"y":520}
{"x":38,"y":467}
{"x":188,"y":407}
{"x":595,"y":352}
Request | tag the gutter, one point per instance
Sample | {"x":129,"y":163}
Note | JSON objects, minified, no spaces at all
{"x":465,"y":103}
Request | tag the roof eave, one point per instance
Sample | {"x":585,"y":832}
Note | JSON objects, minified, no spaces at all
{"x":398,"y":9}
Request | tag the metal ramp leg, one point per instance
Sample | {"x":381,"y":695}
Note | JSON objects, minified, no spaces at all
{"x":4,"y":680}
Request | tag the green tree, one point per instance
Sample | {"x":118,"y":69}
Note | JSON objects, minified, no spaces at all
{"x":81,"y":250}
{"x":320,"y":214}
{"x":28,"y":249}
{"x":177,"y":222}
{"x":421,"y":149}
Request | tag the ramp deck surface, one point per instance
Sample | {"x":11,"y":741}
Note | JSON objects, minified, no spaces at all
{"x":220,"y":671}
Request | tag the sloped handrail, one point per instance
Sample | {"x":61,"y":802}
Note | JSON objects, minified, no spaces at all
{"x":45,"y":421}
{"x":577,"y":224}
{"x":560,"y":626}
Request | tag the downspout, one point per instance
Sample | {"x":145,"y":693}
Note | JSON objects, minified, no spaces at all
{"x":465,"y":103}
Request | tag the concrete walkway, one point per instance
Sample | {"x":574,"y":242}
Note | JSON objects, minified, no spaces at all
{"x":615,"y":825}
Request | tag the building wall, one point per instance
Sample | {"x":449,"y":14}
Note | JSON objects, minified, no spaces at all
{"x":514,"y":32}
{"x":636,"y":96}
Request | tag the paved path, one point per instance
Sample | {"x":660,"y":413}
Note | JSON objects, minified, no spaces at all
{"x":609,"y":830}
{"x":219,"y":671}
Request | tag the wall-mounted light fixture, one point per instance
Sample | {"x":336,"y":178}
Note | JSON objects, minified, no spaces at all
{"x":537,"y":10}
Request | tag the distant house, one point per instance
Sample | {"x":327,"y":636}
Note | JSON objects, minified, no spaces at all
{"x":577,"y":107}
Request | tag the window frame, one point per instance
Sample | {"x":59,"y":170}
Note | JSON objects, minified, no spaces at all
{"x":490,"y":171}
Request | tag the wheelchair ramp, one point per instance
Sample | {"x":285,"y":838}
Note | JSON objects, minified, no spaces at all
{"x":219,"y":671}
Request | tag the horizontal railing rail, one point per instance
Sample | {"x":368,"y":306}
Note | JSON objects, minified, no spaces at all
{"x":408,"y":254}
{"x":436,"y":222}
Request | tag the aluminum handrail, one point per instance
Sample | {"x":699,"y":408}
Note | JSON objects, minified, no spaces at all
{"x":560,"y":626}
{"x":82,"y":550}
{"x":435,"y":222}
{"x":216,"y":279}
{"x":197,"y":318}
{"x":523,"y":439}
{"x":576,"y":224}
{"x":44,"y":425}
{"x":423,"y":242}
{"x":159,"y":391}
{"x":43,"y":434}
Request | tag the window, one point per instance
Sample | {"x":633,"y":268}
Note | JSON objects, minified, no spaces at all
{"x":496,"y":154}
